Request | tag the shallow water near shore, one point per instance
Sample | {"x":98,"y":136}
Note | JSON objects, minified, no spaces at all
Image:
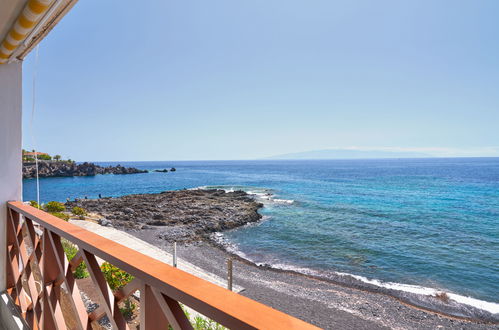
{"x":409,"y":224}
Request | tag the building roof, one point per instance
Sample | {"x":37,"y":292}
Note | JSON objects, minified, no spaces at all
{"x":34,"y":153}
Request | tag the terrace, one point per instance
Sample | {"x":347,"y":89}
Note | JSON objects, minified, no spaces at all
{"x":37,"y":281}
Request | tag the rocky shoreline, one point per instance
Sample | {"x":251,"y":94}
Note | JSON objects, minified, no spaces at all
{"x":181,"y":216}
{"x":323,"y":303}
{"x":190,"y":217}
{"x":48,"y":169}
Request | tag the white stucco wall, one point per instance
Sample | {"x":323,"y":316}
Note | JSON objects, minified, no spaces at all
{"x":10,"y":147}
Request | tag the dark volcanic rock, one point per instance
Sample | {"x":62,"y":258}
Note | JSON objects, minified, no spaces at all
{"x":184,"y":215}
{"x":62,"y":168}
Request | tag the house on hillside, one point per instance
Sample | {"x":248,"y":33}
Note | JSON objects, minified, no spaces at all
{"x":30,"y":156}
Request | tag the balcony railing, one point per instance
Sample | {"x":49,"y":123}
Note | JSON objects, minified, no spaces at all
{"x":41,"y":283}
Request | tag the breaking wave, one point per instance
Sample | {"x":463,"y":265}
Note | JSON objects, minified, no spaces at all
{"x":420,"y":296}
{"x":263,"y":195}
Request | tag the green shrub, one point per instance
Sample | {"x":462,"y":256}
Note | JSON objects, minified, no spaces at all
{"x":55,"y":207}
{"x":60,"y":215}
{"x":44,"y":157}
{"x":128,"y":308}
{"x":34,"y":204}
{"x":79,"y":211}
{"x":200,"y":323}
{"x":71,"y":250}
{"x":186,"y":312}
{"x":115,"y":277}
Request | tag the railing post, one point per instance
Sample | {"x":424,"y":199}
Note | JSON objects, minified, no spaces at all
{"x":229,"y":274}
{"x":151,"y":314}
{"x":174,"y":254}
{"x":52,"y":316}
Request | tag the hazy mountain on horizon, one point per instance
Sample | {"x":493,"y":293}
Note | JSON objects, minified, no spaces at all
{"x":350,"y":154}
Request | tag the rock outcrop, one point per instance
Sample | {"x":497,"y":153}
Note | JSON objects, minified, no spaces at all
{"x":62,"y":168}
{"x":183,"y":215}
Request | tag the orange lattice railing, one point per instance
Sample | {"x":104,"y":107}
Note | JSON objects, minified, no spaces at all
{"x":40,"y":281}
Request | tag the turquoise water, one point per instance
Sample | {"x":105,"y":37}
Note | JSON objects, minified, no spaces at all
{"x":426,"y":222}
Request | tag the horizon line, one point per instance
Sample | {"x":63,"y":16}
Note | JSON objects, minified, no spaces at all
{"x":282,"y":159}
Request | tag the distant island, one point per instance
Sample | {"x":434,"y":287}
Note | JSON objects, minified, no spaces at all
{"x":350,"y":154}
{"x":49,"y":166}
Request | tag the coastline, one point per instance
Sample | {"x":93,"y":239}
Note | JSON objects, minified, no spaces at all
{"x":180,"y":215}
{"x":374,"y":307}
{"x":323,"y":303}
{"x":54,"y":169}
{"x":345,"y":298}
{"x":418,"y":297}
{"x":425,"y":298}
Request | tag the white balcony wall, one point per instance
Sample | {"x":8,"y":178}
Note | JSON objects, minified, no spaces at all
{"x":10,"y":147}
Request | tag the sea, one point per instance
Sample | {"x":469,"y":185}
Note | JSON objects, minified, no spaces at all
{"x":411,"y":225}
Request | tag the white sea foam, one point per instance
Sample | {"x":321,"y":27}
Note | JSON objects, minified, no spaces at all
{"x":490,"y":307}
{"x":283,"y":201}
{"x":265,"y":196}
{"x":295,"y":268}
{"x":481,"y":304}
{"x":229,"y":246}
{"x":198,"y":188}
{"x":263,"y":219}
{"x":261,"y":194}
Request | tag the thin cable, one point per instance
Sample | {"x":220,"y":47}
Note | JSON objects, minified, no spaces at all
{"x":33,"y":141}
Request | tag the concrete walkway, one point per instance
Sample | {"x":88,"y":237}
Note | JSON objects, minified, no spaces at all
{"x":152,"y":251}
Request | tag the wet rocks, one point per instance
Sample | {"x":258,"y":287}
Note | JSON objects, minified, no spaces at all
{"x":105,"y":222}
{"x":184,"y":215}
{"x":66,"y":169}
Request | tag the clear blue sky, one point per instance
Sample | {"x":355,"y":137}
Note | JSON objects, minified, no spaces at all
{"x":225,"y":79}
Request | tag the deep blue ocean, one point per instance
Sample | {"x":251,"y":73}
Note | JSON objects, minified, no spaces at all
{"x":431,"y":223}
